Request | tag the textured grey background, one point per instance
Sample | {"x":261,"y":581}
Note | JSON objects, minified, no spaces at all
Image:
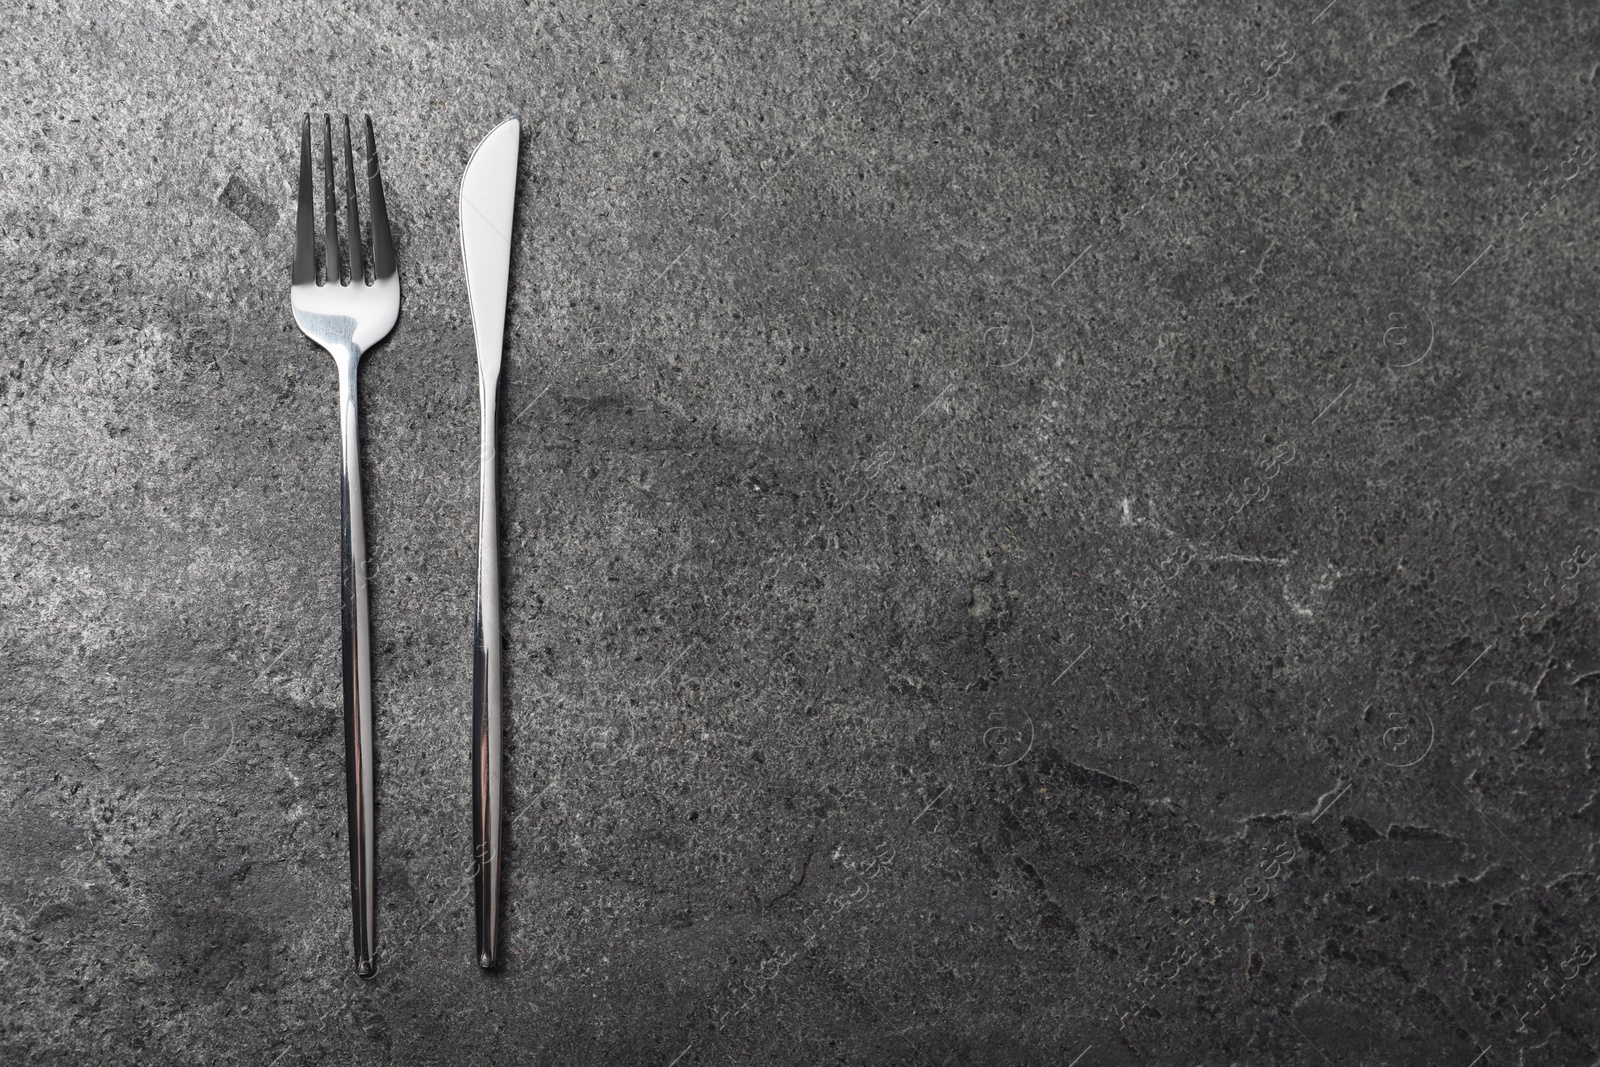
{"x":1032,"y":535}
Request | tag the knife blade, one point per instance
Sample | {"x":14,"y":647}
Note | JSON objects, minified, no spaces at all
{"x":488,"y":197}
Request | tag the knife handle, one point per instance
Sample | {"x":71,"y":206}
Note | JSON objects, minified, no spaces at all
{"x":486,"y":699}
{"x":357,"y":672}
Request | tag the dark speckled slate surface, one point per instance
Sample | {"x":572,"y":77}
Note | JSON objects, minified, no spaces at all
{"x":1033,"y":534}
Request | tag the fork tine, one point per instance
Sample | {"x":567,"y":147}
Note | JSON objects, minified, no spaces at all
{"x":382,"y":245}
{"x":330,"y":210}
{"x":305,"y":253}
{"x":358,"y":270}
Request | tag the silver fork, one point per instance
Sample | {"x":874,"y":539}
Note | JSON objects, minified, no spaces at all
{"x":347,"y":319}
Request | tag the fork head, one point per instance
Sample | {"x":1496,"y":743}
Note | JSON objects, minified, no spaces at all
{"x":344,"y":317}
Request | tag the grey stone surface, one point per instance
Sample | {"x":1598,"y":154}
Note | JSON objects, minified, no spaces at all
{"x":1033,"y":534}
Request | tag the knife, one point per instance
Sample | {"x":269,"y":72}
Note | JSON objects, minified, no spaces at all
{"x":488,"y":194}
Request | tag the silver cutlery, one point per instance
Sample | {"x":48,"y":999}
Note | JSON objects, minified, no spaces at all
{"x":347,"y":319}
{"x":488,"y":195}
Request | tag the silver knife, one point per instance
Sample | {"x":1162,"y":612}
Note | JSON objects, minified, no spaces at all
{"x":488,"y":194}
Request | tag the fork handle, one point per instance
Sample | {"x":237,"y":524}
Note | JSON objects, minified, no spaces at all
{"x":486,"y":696}
{"x":357,"y":669}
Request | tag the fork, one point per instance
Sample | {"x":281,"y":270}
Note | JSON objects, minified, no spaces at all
{"x":347,"y":319}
